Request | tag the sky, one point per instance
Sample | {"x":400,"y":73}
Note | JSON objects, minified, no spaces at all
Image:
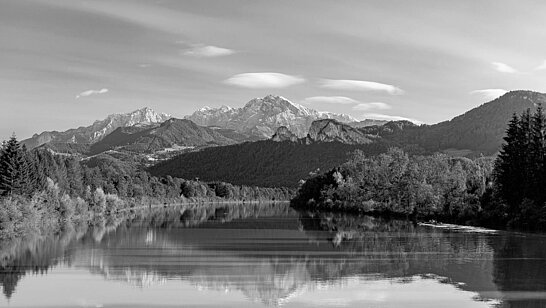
{"x":65,"y":64}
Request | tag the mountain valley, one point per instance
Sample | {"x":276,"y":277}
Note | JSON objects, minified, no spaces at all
{"x":217,"y":143}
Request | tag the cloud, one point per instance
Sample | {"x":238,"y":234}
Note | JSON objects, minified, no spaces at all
{"x":378,"y":116}
{"x":360,"y":85}
{"x":263,"y":80}
{"x":202,"y":51}
{"x":504,"y":68}
{"x":91,"y":92}
{"x":374,"y":105}
{"x":330,"y":100}
{"x":489,"y":94}
{"x":542,"y":66}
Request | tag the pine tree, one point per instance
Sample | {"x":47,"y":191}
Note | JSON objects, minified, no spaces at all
{"x":509,"y":164}
{"x":524,"y":147}
{"x":17,"y":174}
{"x":521,"y":165}
{"x":11,"y":167}
{"x":537,"y":155}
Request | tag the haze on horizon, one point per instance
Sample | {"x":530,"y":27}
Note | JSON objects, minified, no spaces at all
{"x":65,"y":64}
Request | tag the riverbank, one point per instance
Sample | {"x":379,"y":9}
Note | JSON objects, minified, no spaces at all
{"x":202,"y":202}
{"x":171,"y":215}
{"x":428,"y":218}
{"x":51,"y":212}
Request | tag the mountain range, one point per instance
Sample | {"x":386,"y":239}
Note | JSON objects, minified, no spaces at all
{"x":157,"y":137}
{"x":146,"y":131}
{"x":295,"y":129}
{"x":479,"y":131}
{"x":287,"y":158}
{"x":261,"y":117}
{"x":98,"y":130}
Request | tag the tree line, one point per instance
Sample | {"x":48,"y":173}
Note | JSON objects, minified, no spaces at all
{"x":41,"y":191}
{"x":400,"y":184}
{"x":506,"y":191}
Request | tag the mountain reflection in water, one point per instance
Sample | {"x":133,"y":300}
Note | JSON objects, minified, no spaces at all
{"x":271,"y":255}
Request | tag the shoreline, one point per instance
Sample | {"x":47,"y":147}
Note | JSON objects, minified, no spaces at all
{"x":203,"y":202}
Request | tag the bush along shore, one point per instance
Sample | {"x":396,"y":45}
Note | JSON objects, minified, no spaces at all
{"x":43,"y":193}
{"x":502,"y":192}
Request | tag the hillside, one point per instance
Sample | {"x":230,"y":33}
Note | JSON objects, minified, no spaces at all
{"x":479,"y":130}
{"x":169,"y":134}
{"x":262,"y":163}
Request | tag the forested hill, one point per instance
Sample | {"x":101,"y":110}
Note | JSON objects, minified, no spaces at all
{"x":479,"y":130}
{"x":262,"y":163}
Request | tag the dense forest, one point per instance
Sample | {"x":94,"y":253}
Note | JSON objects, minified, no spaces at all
{"x":504,"y":192}
{"x":400,"y":184}
{"x":263,"y":163}
{"x":44,"y":192}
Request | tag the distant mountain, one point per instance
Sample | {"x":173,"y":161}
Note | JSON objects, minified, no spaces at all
{"x":283,"y":163}
{"x":284,"y":134}
{"x":171,"y":134}
{"x":261,"y":117}
{"x":368,"y":122}
{"x":389,"y":128}
{"x":479,"y":130}
{"x":99,"y":129}
{"x":329,"y":130}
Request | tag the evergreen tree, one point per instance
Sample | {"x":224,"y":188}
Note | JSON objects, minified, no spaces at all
{"x":508,"y":166}
{"x":14,"y":168}
{"x":536,"y":156}
{"x":520,"y":168}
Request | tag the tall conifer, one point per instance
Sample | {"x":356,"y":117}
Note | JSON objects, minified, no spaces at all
{"x":11,"y":165}
{"x":508,"y":166}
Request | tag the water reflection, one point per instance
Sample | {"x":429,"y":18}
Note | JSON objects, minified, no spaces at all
{"x":273,"y":255}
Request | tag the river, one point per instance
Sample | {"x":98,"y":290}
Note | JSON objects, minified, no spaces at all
{"x":271,"y":255}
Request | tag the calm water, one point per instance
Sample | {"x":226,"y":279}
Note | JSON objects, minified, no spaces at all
{"x":271,"y":255}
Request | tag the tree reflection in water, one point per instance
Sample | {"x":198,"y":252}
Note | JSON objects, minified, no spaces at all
{"x":271,"y":253}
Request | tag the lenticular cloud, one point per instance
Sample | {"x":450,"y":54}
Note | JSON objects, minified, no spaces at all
{"x":263,"y":80}
{"x":360,"y":85}
{"x":91,"y":92}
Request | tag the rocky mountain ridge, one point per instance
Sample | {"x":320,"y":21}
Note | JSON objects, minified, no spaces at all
{"x":171,"y":134}
{"x":99,"y":129}
{"x":328,"y":130}
{"x":284,"y":134}
{"x":262,"y":116}
{"x":478,"y":131}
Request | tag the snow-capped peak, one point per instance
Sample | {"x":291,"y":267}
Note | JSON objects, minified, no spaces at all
{"x":100,"y":128}
{"x":145,"y":115}
{"x":262,"y":116}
